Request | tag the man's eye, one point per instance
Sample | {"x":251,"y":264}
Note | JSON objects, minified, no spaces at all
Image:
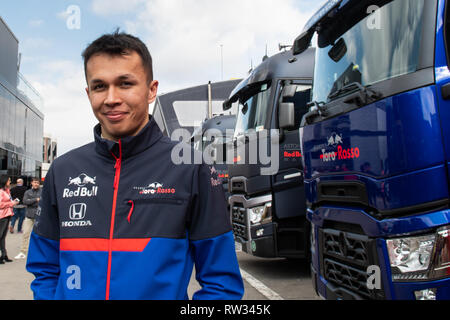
{"x":126,"y":84}
{"x":98,"y":87}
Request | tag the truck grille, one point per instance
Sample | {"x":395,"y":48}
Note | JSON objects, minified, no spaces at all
{"x":238,"y":217}
{"x":345,"y":258}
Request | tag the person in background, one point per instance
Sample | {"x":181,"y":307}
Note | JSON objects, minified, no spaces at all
{"x":17,"y":192}
{"x":31,"y":200}
{"x":6,"y":212}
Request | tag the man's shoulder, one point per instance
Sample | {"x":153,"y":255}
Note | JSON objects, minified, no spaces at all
{"x":166,"y":142}
{"x":75,"y":154}
{"x":180,"y":152}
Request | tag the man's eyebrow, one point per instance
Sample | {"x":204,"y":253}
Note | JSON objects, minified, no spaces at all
{"x":95,"y":81}
{"x":122,"y":77}
{"x":126,"y":76}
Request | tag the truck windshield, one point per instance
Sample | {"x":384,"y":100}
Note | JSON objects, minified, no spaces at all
{"x":253,"y":109}
{"x":378,"y":47}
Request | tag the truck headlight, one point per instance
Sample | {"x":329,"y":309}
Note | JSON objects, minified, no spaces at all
{"x":260,"y":214}
{"x":420,"y":258}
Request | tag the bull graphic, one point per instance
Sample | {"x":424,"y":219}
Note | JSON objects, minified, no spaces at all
{"x":338,"y":139}
{"x":331,"y":141}
{"x":155,"y":185}
{"x":335,"y":139}
{"x":82,"y":180}
{"x":76,"y":181}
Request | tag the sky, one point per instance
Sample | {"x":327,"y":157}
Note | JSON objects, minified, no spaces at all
{"x":191,"y":42}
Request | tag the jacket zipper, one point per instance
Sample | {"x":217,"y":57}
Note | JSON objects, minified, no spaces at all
{"x":131,"y":211}
{"x":117,"y":166}
{"x":160,"y":200}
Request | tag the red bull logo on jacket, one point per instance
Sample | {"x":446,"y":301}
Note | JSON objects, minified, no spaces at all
{"x":86,"y":187}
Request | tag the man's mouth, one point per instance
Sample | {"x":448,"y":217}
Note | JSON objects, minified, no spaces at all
{"x":115,"y":116}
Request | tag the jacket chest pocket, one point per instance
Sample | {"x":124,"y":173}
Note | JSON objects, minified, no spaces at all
{"x":159,"y":217}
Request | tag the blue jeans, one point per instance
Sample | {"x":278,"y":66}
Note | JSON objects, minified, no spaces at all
{"x":19,"y":213}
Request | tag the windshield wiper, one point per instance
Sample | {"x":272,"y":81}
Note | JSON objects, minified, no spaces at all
{"x":362,"y":95}
{"x":347,"y":88}
{"x":315,"y":109}
{"x":359,"y":96}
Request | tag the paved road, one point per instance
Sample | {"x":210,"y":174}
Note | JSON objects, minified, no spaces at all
{"x":14,"y":279}
{"x":264,"y":279}
{"x":290,"y":279}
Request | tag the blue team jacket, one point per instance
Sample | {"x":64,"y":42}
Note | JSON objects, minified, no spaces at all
{"x":121,"y":221}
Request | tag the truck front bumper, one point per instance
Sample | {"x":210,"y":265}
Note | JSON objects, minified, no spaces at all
{"x":259,"y":239}
{"x":347,"y":242}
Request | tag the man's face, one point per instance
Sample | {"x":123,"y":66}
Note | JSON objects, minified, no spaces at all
{"x":35,"y":184}
{"x":119,"y":93}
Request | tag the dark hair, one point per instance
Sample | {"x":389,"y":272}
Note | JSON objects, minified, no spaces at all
{"x":35,"y":179}
{"x":120,"y":43}
{"x":3,"y":180}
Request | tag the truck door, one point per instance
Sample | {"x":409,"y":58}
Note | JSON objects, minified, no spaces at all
{"x":442,"y":71}
{"x":288,"y":188}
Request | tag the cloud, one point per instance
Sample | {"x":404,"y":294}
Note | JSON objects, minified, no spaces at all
{"x":36,"y":23}
{"x":36,"y":43}
{"x":115,"y":7}
{"x":185,"y":37}
{"x":68,"y":114}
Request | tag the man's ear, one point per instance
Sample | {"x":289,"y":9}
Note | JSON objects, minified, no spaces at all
{"x":87,"y":92}
{"x":153,"y":91}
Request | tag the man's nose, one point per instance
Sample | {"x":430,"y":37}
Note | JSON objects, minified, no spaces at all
{"x":113,"y":97}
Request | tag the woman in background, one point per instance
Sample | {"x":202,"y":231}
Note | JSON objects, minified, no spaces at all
{"x":6,"y":212}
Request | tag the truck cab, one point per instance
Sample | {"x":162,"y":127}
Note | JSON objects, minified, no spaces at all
{"x":376,"y":147}
{"x":267,"y":200}
{"x":214,"y":136}
{"x":188,"y":108}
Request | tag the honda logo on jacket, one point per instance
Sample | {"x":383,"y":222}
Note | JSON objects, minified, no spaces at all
{"x":77,"y":212}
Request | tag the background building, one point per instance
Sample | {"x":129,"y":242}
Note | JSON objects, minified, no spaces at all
{"x":49,"y":148}
{"x":49,"y":153}
{"x":21,"y":121}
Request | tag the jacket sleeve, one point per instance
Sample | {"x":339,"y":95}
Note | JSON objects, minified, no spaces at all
{"x":212,"y":241}
{"x":6,"y":204}
{"x":43,"y":252}
{"x":27,"y":200}
{"x":14,"y":195}
{"x":5,"y":201}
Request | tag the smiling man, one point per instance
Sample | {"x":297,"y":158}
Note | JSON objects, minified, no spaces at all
{"x":117,"y":219}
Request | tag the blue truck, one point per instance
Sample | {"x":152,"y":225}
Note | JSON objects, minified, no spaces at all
{"x":376,"y":149}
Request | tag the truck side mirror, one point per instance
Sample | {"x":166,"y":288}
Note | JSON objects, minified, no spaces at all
{"x":302,"y":42}
{"x":289,"y":91}
{"x":286,"y":115}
